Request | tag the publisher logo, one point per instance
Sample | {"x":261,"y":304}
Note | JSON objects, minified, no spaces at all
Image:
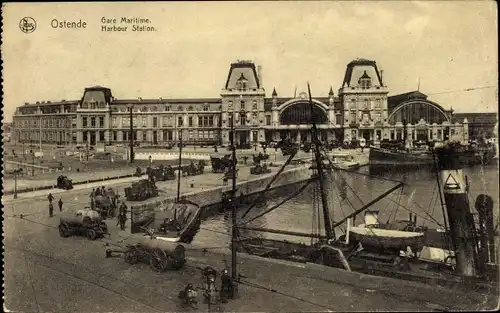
{"x":27,"y":25}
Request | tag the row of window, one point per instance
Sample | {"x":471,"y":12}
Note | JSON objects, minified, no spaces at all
{"x":45,"y":123}
{"x":366,"y":104}
{"x":243,"y":105}
{"x":168,"y":121}
{"x":167,"y":135}
{"x":93,"y":124}
{"x":168,"y":108}
{"x":365,"y":118}
{"x":46,"y":136}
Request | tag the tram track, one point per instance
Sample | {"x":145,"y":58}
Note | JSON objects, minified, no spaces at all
{"x":156,"y":301}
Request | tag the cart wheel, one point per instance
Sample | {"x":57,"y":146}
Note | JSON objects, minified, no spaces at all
{"x":91,"y":234}
{"x":63,"y":230}
{"x":158,"y":260}
{"x":131,"y":256}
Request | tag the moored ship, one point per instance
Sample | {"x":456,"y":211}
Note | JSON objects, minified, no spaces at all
{"x":468,"y":156}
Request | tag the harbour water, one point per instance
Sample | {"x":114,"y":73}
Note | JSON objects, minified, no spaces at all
{"x":346,"y":193}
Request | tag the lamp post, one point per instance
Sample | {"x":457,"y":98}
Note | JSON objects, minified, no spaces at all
{"x":32,"y":162}
{"x":130,"y":110}
{"x":16,"y":172}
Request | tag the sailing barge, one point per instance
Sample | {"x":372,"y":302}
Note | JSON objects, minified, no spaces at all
{"x":461,"y":252}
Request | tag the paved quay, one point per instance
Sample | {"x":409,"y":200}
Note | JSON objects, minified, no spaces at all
{"x":189,"y":185}
{"x":74,"y":275}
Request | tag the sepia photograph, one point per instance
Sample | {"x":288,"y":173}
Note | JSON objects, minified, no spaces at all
{"x":250,"y":156}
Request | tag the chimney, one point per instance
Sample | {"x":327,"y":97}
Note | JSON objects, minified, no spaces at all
{"x":381,"y":78}
{"x":259,"y":74}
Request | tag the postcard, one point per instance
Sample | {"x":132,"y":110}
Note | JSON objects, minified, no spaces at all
{"x":250,"y":156}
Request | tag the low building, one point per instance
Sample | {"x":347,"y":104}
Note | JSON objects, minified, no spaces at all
{"x":362,"y":109}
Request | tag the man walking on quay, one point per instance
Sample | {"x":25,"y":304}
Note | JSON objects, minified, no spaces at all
{"x":122,"y":219}
{"x":50,"y":197}
{"x":51,"y":209}
{"x":60,"y":203}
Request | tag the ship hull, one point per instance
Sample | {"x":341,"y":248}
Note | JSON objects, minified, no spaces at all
{"x":387,"y":157}
{"x":384,"y":157}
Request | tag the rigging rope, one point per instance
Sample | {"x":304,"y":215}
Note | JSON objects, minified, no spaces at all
{"x":278,"y":205}
{"x":261,"y":194}
{"x":410,"y":210}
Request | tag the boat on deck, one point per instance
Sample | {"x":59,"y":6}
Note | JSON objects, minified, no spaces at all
{"x":395,"y":236}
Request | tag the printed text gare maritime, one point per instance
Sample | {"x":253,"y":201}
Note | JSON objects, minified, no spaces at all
{"x":135,"y":22}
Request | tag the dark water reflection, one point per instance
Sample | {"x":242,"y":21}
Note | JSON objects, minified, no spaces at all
{"x":346,"y":193}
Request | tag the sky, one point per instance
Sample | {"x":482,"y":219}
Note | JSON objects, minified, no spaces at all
{"x":448,"y":46}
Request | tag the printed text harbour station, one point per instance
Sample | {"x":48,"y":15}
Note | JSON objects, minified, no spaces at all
{"x":134,"y":22}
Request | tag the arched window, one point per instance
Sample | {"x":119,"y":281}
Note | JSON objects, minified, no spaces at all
{"x":179,"y":108}
{"x":300,"y":113}
{"x":190,"y":108}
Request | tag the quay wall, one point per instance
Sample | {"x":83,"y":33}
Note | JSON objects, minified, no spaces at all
{"x":209,"y":197}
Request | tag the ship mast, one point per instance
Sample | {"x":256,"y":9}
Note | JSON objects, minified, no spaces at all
{"x":319,"y":165}
{"x":234,"y":230}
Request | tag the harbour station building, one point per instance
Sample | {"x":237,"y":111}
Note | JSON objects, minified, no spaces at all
{"x":361,"y":109}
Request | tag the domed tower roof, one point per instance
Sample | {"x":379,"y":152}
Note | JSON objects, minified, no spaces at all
{"x":361,"y":68}
{"x":243,"y":71}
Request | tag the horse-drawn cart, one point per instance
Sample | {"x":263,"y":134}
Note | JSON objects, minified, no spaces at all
{"x":106,"y":203}
{"x":193,"y":169}
{"x":219,"y":165}
{"x":84,"y":222}
{"x":63,"y":182}
{"x":161,"y":173}
{"x":141,"y":190}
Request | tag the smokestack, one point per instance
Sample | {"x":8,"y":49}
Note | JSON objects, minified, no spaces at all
{"x":460,"y":218}
{"x":259,"y":74}
{"x":381,"y":78}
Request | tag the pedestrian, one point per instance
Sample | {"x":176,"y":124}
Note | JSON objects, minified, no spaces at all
{"x":50,"y":197}
{"x":122,"y":220}
{"x":51,"y":209}
{"x":92,"y":193}
{"x":226,"y":289}
{"x":60,"y":204}
{"x":123,"y":208}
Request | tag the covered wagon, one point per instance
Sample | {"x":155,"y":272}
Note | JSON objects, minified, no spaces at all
{"x":63,"y":182}
{"x":141,"y":190}
{"x":84,"y":222}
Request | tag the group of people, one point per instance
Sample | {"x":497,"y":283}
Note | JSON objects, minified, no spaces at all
{"x":209,"y":288}
{"x":122,"y":209}
{"x":50,"y":197}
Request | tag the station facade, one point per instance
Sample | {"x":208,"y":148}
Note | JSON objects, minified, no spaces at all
{"x":361,"y":109}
